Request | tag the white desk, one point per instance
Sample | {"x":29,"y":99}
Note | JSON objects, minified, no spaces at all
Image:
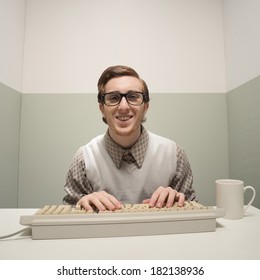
{"x":233,"y":239}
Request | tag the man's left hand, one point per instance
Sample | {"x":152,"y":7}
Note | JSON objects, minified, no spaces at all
{"x":165,"y":196}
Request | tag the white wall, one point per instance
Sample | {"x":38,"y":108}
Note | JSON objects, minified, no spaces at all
{"x":176,"y":45}
{"x":12,"y":22}
{"x":242,"y":41}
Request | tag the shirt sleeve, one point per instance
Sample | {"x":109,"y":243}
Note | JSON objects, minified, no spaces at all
{"x":183,"y":180}
{"x":76,"y":184}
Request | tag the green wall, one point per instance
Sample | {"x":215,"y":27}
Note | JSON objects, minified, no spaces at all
{"x":10,"y":104}
{"x":52,"y":129}
{"x":244,"y":134}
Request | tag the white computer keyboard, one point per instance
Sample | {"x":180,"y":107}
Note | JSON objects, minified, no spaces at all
{"x":66,"y":221}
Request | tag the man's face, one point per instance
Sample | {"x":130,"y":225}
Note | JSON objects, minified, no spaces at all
{"x":124,"y":119}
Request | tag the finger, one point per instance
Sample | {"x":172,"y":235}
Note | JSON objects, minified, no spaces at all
{"x":109,"y":201}
{"x":146,"y":201}
{"x":154,"y":197}
{"x":163,"y":197}
{"x":180,"y":198}
{"x":171,"y":198}
{"x":91,"y":202}
{"x":158,"y":197}
{"x":85,"y":206}
{"x":104,"y":200}
{"x":114,"y":201}
{"x":87,"y":202}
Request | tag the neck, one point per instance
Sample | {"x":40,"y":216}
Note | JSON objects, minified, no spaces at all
{"x":126,"y":141}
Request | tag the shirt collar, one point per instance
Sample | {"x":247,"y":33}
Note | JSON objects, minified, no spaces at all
{"x":137,"y":150}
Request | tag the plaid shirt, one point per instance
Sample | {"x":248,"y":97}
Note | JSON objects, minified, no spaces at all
{"x":77,"y":184}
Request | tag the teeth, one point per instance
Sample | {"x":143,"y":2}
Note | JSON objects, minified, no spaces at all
{"x":123,"y":118}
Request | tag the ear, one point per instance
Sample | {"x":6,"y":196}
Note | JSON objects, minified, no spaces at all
{"x":101,"y":108}
{"x":146,"y":106}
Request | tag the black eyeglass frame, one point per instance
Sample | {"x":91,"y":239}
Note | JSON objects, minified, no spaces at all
{"x":101,"y":98}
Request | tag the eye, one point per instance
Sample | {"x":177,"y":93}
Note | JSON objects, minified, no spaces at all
{"x":113,"y":97}
{"x":133,"y":96}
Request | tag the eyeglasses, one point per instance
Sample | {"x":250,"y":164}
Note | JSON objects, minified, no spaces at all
{"x":134,"y":98}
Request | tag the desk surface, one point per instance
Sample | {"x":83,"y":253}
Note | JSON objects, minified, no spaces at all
{"x":233,"y":239}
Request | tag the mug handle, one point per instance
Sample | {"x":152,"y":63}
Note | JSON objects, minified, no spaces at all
{"x":253,"y":197}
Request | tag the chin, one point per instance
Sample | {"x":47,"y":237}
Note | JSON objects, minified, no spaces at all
{"x":124,"y":131}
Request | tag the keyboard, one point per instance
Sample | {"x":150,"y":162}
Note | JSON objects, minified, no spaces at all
{"x":66,"y":221}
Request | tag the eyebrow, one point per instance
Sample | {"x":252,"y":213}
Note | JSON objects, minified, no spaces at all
{"x":129,"y":91}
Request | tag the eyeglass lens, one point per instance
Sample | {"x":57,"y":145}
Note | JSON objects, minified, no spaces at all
{"x":133,"y":98}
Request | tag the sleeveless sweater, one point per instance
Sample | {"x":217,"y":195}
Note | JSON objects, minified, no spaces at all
{"x":130,"y":184}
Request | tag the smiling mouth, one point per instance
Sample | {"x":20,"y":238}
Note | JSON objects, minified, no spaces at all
{"x":123,"y":118}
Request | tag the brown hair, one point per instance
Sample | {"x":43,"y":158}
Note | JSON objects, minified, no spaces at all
{"x":119,"y":71}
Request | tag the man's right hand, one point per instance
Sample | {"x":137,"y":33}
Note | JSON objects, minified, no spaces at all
{"x":99,"y":200}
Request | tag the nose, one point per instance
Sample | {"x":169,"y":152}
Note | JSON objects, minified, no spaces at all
{"x":123,"y":103}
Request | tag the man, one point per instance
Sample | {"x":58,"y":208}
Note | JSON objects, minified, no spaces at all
{"x":128,"y":164}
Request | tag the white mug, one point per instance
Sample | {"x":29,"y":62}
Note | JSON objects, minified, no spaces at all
{"x":230,"y":196}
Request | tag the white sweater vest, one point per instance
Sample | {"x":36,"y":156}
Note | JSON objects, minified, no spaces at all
{"x":130,"y":184}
